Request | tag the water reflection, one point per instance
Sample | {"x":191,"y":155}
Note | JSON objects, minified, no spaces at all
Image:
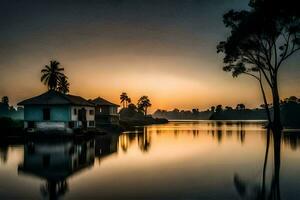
{"x":197,"y":160}
{"x":3,"y":152}
{"x":55,"y":163}
{"x":259,"y":191}
{"x":143,"y":137}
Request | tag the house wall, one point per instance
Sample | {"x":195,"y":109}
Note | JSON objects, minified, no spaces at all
{"x":89,"y":117}
{"x":57,"y":113}
{"x":106,"y":115}
{"x":106,"y":110}
{"x":60,"y":115}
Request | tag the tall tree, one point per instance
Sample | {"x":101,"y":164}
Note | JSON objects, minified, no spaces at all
{"x":143,"y":104}
{"x":124,"y":98}
{"x":128,"y":101}
{"x":51,"y":74}
{"x":63,"y":85}
{"x":261,"y":40}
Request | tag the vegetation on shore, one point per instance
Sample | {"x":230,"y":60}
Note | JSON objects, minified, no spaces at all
{"x":10,"y":127}
{"x":261,"y":40}
{"x":290,"y":110}
{"x":136,"y":115}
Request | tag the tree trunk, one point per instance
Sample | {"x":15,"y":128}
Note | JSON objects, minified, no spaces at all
{"x":265,"y":102}
{"x":276,"y":106}
{"x":275,"y":185}
{"x":265,"y":164}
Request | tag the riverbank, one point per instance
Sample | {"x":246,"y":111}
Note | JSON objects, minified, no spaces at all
{"x":130,"y":124}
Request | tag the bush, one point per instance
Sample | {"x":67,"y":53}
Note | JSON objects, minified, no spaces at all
{"x":8,"y":126}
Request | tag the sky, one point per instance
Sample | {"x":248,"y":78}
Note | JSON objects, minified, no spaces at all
{"x":165,"y":49}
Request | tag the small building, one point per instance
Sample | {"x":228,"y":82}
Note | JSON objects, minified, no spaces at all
{"x":106,"y":112}
{"x":53,"y":110}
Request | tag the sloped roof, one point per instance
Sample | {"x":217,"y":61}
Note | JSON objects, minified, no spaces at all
{"x":103,"y":102}
{"x":56,"y":98}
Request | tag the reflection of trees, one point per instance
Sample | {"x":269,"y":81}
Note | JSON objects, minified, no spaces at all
{"x":292,"y":139}
{"x":219,"y":135}
{"x":143,"y":139}
{"x":259,"y":192}
{"x":217,"y":130}
{"x":54,"y":189}
{"x":124,"y":142}
{"x":3,"y":153}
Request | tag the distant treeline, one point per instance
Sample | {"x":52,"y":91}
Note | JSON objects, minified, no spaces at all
{"x":290,"y":112}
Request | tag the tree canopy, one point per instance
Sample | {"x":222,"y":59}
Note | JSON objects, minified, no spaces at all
{"x":260,"y":41}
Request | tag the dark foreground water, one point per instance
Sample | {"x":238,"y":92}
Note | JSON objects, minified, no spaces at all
{"x":179,"y":160}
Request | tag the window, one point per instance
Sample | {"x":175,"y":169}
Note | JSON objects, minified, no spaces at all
{"x":91,"y":123}
{"x":46,"y":114}
{"x":100,"y":109}
{"x":91,"y":112}
{"x":75,"y":111}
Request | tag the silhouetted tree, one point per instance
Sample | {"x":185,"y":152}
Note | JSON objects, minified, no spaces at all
{"x":219,"y":108}
{"x":63,"y":85}
{"x":195,"y":111}
{"x":132,"y":107}
{"x":240,"y":106}
{"x":262,"y":39}
{"x":5,"y":100}
{"x":123,"y":98}
{"x":212,"y":109}
{"x":128,"y":101}
{"x":291,"y":99}
{"x":228,"y":108}
{"x":51,"y":75}
{"x":143,"y":104}
{"x":176,"y":110}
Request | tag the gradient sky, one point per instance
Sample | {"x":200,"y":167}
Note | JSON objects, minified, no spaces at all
{"x":165,"y":49}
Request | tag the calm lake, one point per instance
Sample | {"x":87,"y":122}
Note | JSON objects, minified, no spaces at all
{"x":178,"y":160}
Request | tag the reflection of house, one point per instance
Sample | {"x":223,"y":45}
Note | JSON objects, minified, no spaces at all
{"x":106,"y":112}
{"x":106,"y":145}
{"x":4,"y":109}
{"x":56,"y":162}
{"x":56,"y":111}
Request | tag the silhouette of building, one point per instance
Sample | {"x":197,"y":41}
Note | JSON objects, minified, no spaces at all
{"x":54,"y":111}
{"x":106,"y":112}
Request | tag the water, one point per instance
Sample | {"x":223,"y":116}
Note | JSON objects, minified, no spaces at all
{"x":179,"y":160}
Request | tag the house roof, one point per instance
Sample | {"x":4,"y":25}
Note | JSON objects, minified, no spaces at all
{"x":56,"y":98}
{"x":103,"y":102}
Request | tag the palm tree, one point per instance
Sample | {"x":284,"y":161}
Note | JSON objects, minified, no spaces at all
{"x":63,"y":85}
{"x":123,"y":98}
{"x":51,"y":74}
{"x":144,"y":103}
{"x":128,"y":101}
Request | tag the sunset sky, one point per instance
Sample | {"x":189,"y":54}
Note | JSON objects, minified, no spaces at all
{"x":165,"y":49}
